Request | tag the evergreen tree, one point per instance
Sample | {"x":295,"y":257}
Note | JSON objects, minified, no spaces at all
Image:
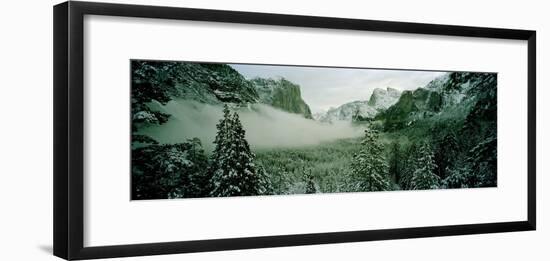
{"x":266,"y":188}
{"x":475,"y":168}
{"x":459,"y":175}
{"x":409,"y":165}
{"x":445,"y":154}
{"x":395,"y":162}
{"x":369,"y":166}
{"x":170,"y":171}
{"x":250,"y":185}
{"x":233,"y":170}
{"x":223,"y":136}
{"x":424,"y":177}
{"x":310,"y":183}
{"x":150,"y":81}
{"x":282,"y":180}
{"x":199,"y":181}
{"x":483,"y":159}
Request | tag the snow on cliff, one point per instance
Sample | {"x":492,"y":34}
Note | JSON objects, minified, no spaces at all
{"x":380,"y":99}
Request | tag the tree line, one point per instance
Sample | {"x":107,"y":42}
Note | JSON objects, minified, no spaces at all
{"x":422,"y":165}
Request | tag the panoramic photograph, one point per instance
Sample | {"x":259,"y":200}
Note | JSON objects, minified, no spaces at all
{"x":224,"y":130}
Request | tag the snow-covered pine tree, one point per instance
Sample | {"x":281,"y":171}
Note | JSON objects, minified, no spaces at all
{"x":199,"y":181}
{"x":395,"y":162}
{"x":459,"y":175}
{"x":445,"y":154}
{"x":170,"y":171}
{"x":222,"y":137}
{"x":233,"y":169}
{"x":150,"y":81}
{"x":282,"y":181}
{"x":483,"y":159}
{"x":219,"y":158}
{"x":250,"y":179}
{"x":408,"y":166}
{"x":310,"y":183}
{"x":369,"y":166}
{"x":423,"y":176}
{"x":265,"y":182}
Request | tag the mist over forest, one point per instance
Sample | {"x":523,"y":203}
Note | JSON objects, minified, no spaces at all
{"x":266,"y":127}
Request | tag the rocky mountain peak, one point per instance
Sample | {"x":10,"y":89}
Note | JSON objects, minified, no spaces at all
{"x":384,"y":98}
{"x":282,"y":94}
{"x":393,"y":92}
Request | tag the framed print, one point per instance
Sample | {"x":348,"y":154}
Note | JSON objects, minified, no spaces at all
{"x":183,"y":130}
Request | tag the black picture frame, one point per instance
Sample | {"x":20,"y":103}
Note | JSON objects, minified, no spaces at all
{"x":69,"y":128}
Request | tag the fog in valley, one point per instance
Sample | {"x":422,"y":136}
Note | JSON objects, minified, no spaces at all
{"x":265,"y":126}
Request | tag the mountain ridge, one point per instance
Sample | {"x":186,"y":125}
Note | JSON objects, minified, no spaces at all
{"x":379,"y":100}
{"x":448,"y":95}
{"x":211,"y":84}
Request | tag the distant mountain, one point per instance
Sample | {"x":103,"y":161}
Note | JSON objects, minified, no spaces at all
{"x":380,"y":100}
{"x":347,"y":111}
{"x":281,"y":94}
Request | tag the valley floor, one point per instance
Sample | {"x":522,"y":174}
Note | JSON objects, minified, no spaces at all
{"x":326,"y":166}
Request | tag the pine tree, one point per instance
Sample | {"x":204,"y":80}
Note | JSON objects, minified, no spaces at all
{"x":445,"y":154}
{"x":483,"y":159}
{"x":282,"y":180}
{"x":199,"y":181}
{"x":170,"y":171}
{"x":459,"y":175}
{"x":222,"y":166}
{"x":310,"y":183}
{"x":395,"y":162}
{"x":369,"y":166}
{"x":233,"y":170}
{"x":266,"y":188}
{"x":408,"y":167}
{"x":222,"y":137}
{"x":424,"y":177}
{"x":150,"y":81}
{"x":250,"y":183}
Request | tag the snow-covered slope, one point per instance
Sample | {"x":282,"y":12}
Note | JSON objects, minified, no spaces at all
{"x":347,"y":111}
{"x":207,"y":83}
{"x":449,"y":96}
{"x":380,"y":100}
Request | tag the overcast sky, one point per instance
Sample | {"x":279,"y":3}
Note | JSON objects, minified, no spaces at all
{"x":323,"y":88}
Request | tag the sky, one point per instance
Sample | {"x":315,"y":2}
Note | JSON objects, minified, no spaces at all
{"x":323,"y":88}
